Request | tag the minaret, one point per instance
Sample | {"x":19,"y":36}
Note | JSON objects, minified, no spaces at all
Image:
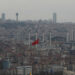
{"x":43,"y":37}
{"x":29,"y":40}
{"x":72,"y":35}
{"x":50,"y":39}
{"x":36,"y":38}
{"x":67,"y":37}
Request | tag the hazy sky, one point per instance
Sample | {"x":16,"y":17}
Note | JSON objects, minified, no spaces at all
{"x":39,"y":9}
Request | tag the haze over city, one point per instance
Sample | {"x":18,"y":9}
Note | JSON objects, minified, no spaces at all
{"x":39,"y":9}
{"x":37,"y":37}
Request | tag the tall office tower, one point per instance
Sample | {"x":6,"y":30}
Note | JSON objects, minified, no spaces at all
{"x":17,"y":17}
{"x":3,"y":16}
{"x":54,"y":18}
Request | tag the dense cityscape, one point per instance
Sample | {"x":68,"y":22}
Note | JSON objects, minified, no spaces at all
{"x":54,"y":54}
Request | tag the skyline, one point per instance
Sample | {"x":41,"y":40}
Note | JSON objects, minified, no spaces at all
{"x":39,"y":9}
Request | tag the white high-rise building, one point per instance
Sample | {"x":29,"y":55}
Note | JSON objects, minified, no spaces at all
{"x":3,"y":17}
{"x":54,"y":18}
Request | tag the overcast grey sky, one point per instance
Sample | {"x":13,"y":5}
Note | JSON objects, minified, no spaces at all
{"x":39,"y":9}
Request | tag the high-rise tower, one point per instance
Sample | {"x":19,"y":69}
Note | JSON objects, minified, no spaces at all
{"x":54,"y":18}
{"x":3,"y":16}
{"x":17,"y":17}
